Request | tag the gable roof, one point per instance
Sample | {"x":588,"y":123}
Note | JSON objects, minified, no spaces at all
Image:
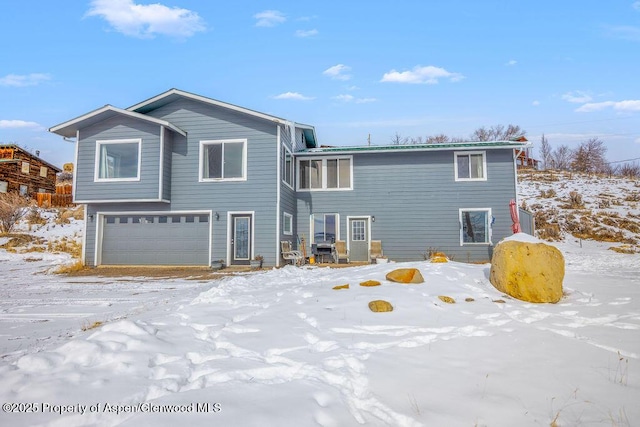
{"x":69,"y":128}
{"x":471,"y":145}
{"x":16,"y":147}
{"x":174,"y":94}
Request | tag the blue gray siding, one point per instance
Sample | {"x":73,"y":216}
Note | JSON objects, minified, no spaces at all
{"x":287,"y":194}
{"x":415,"y":200}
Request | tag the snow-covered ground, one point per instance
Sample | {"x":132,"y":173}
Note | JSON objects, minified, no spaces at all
{"x":282,"y":347}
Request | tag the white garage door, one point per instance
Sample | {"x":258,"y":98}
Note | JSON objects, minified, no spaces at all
{"x":177,"y":239}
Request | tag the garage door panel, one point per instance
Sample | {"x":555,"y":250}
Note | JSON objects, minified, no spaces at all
{"x":155,"y":240}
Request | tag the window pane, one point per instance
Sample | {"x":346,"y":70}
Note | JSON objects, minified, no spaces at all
{"x":212,"y":167}
{"x":118,"y":160}
{"x":476,"y":166}
{"x":315,"y":174}
{"x":3,"y":186}
{"x":304,"y":173}
{"x":475,"y":227}
{"x":233,"y":159}
{"x":288,"y":172}
{"x":287,"y":226}
{"x":318,"y":228}
{"x":357,"y":230}
{"x":332,"y":173}
{"x":330,"y":228}
{"x":345,"y":173}
{"x":463,"y":166}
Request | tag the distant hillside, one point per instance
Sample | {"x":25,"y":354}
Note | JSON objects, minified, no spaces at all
{"x":584,"y":206}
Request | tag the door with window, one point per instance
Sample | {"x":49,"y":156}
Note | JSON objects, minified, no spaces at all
{"x":359,"y":239}
{"x":241,"y":237}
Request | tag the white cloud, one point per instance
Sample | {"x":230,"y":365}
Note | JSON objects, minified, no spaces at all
{"x":421,"y":75}
{"x":511,"y":62}
{"x":338,"y":72}
{"x":306,"y":33}
{"x":351,"y":98}
{"x":535,"y":103}
{"x":145,"y":21}
{"x":18,"y":124}
{"x":292,"y":95}
{"x":269,"y":18}
{"x":577,"y":97}
{"x":629,"y":105}
{"x":24,"y":80}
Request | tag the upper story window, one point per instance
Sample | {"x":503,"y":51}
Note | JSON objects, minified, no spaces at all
{"x":325,"y":173}
{"x":470,"y":166}
{"x":223,"y":160}
{"x":287,"y":167}
{"x":118,"y":160}
{"x":25,"y":167}
{"x":43,"y":171}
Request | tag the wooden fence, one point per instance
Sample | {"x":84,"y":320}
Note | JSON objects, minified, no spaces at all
{"x":62,"y":197}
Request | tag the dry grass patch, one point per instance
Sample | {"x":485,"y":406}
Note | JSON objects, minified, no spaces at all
{"x":66,"y":245}
{"x":70,"y":268}
{"x":87,"y":326}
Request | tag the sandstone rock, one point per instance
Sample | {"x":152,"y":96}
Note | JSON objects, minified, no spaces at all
{"x":405,"y":275}
{"x":446,"y":299}
{"x":380,"y":306}
{"x":528,"y":271}
{"x":438,"y":257}
{"x":370,"y":283}
{"x":341,"y":287}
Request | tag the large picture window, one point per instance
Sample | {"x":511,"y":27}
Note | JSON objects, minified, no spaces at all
{"x":470,"y":166}
{"x":475,"y":226}
{"x":326,"y":228}
{"x":118,"y":160}
{"x":325,"y":174}
{"x":224,"y":160}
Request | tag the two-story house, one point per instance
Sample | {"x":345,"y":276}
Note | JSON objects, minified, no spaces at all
{"x":24,"y":172}
{"x":181,"y":179}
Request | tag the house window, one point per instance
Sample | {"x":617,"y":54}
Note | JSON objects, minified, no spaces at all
{"x":287,"y":167}
{"x":325,"y":174}
{"x":224,"y":160}
{"x":3,"y":186}
{"x":325,"y":227}
{"x":25,"y":167}
{"x":118,"y":160}
{"x":470,"y":166}
{"x":43,"y":171}
{"x":475,"y":226}
{"x":287,"y":224}
{"x":24,"y":190}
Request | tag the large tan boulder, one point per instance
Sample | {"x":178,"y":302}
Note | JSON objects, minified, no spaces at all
{"x":528,"y":270}
{"x":405,"y":275}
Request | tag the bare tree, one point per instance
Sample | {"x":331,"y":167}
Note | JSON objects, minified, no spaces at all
{"x":398,"y":139}
{"x":497,"y":133}
{"x":437,"y":139}
{"x":561,"y":158}
{"x":590,"y":157}
{"x":545,"y":152}
{"x":13,"y":207}
{"x":630,"y":170}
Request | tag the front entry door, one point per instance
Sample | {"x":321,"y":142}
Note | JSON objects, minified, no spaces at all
{"x":241,"y":239}
{"x":359,"y":239}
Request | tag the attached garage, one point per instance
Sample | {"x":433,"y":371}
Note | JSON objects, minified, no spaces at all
{"x":172,"y":239}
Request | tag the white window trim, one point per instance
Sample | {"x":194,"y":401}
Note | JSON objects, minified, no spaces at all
{"x":324,"y":173}
{"x":286,"y":232}
{"x":204,"y":143}
{"x":25,"y":168}
{"x":489,"y":226}
{"x":99,"y":143}
{"x":469,"y":153}
{"x":286,"y":151}
{"x":312,"y":225}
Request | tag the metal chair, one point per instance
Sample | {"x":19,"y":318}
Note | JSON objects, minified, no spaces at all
{"x":289,"y":254}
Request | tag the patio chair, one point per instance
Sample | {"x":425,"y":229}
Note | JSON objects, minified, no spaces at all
{"x":376,"y":250}
{"x":289,"y":254}
{"x":341,"y":251}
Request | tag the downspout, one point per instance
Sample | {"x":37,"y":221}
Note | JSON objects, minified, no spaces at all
{"x":278,"y":189}
{"x":515,"y":178}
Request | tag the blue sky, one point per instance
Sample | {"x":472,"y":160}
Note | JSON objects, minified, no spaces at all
{"x":567,"y":69}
